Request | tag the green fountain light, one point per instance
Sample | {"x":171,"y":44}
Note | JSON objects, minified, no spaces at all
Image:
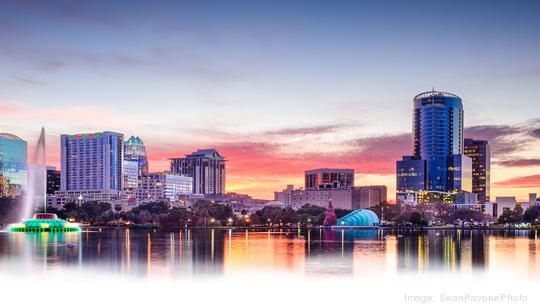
{"x":45,"y":222}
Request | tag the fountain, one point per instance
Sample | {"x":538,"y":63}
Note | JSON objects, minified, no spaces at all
{"x":37,"y":180}
{"x":36,"y":196}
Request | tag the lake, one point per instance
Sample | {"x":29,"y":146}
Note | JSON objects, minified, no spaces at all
{"x":313,"y":252}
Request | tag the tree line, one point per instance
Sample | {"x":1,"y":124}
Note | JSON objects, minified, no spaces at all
{"x":207,"y":213}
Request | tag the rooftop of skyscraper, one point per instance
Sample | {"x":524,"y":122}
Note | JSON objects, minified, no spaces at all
{"x":10,"y":136}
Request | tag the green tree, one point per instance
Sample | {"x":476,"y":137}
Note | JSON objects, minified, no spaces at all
{"x":532,"y":214}
{"x":512,"y":216}
{"x":288,"y":216}
{"x":269,"y":213}
{"x":341,"y":212}
{"x":312,"y":214}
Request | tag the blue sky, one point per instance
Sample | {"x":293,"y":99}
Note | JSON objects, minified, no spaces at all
{"x":271,"y":80}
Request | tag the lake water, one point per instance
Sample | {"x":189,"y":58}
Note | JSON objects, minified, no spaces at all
{"x":315,"y":252}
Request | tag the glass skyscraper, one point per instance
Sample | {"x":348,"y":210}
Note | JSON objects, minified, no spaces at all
{"x":438,"y":163}
{"x":480,"y":153}
{"x":13,"y":165}
{"x":134,"y":150}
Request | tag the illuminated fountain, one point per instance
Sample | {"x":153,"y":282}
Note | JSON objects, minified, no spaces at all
{"x":36,"y":197}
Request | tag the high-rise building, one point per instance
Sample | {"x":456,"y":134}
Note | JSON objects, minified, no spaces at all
{"x":134,"y":150}
{"x":206,"y":167}
{"x":438,"y":163}
{"x":91,"y":165}
{"x":53,"y":180}
{"x":480,"y":153}
{"x":13,"y":165}
{"x":164,"y":186}
{"x":329,"y":178}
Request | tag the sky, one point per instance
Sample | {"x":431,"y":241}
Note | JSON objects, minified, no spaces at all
{"x":278,"y":87}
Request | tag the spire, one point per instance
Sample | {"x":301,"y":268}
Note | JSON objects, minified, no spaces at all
{"x":330,"y":219}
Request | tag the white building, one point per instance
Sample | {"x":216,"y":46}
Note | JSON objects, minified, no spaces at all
{"x":164,"y":186}
{"x":509,"y":203}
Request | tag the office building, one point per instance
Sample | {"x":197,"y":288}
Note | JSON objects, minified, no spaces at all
{"x":329,"y":178}
{"x":438,"y":164}
{"x":206,"y":167}
{"x":164,"y":186}
{"x":13,"y":165}
{"x":53,"y":180}
{"x":91,"y":166}
{"x":134,"y":150}
{"x":479,"y":152}
{"x":342,"y":198}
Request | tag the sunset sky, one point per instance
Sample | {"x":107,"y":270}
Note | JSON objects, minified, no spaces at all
{"x":278,"y":87}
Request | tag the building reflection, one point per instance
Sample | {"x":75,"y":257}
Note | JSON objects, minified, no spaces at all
{"x":193,"y":252}
{"x":442,"y":250}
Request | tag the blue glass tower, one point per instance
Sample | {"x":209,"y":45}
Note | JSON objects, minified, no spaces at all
{"x":13,"y":165}
{"x":438,"y":163}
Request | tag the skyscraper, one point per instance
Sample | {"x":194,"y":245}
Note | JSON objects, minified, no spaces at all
{"x":92,"y":164}
{"x":13,"y":165}
{"x":480,"y":153}
{"x":438,"y":163}
{"x":134,"y":150}
{"x":206,"y":167}
{"x":53,"y":180}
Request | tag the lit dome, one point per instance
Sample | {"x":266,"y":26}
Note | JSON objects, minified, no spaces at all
{"x":359,"y":218}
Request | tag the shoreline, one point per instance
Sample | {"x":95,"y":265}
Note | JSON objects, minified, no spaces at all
{"x":333,"y":228}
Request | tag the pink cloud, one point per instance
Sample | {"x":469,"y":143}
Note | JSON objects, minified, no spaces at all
{"x":520,"y":182}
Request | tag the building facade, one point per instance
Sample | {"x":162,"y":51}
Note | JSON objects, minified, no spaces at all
{"x":365,"y":197}
{"x":359,"y":197}
{"x":134,"y":150}
{"x":206,"y":167}
{"x":13,"y":165}
{"x":438,"y":163}
{"x":329,"y":178}
{"x":91,"y":166}
{"x":341,"y":198}
{"x":164,"y":186}
{"x":480,"y":153}
{"x":53,"y":180}
{"x":285,"y":195}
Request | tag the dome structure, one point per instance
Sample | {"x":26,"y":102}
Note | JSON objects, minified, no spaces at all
{"x":359,"y":218}
{"x":273,"y":204}
{"x":45,"y":222}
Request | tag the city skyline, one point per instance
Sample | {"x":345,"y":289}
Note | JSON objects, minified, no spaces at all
{"x":275,"y":93}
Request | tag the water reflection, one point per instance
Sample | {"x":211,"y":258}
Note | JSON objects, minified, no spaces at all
{"x":197,"y":252}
